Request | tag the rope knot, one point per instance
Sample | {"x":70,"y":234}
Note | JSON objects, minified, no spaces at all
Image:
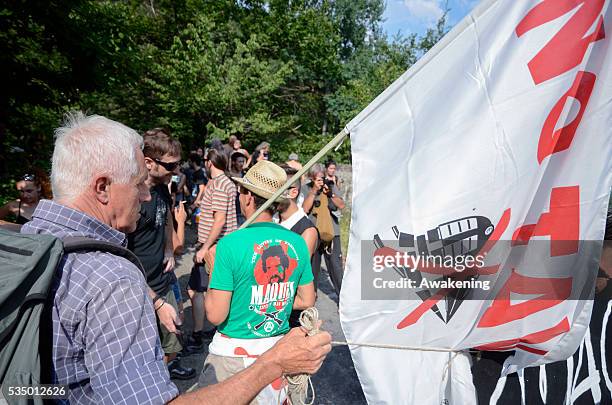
{"x":309,"y":319}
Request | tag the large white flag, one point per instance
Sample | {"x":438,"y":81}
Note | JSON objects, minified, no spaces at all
{"x":494,"y":153}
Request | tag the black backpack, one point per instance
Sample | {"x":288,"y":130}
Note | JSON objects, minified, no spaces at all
{"x":27,"y":267}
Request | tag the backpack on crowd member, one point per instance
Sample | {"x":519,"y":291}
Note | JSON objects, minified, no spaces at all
{"x":324,"y":223}
{"x":27,"y":267}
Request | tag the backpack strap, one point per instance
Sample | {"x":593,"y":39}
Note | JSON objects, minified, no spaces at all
{"x":74,"y":244}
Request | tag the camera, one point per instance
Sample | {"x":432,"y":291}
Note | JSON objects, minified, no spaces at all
{"x":329,"y":183}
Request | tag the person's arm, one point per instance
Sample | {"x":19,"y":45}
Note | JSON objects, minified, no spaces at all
{"x":178,"y":235}
{"x":201,"y":189}
{"x":311,"y":237}
{"x":169,"y":261}
{"x":164,"y":311}
{"x":182,"y":183}
{"x":305,"y":296}
{"x":295,"y":353}
{"x":217,"y":304}
{"x":310,"y":198}
{"x":334,"y":197}
{"x":7,"y":209}
{"x":221,"y":286}
{"x":338,"y":201}
{"x":215,"y":231}
{"x":9,"y":226}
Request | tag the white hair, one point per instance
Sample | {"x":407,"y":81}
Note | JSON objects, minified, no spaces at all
{"x":88,"y":146}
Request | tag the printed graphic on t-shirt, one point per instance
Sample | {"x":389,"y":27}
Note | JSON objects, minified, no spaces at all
{"x":161,"y":211}
{"x":275,"y":261}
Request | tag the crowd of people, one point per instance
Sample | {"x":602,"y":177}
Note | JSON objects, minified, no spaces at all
{"x":117,"y":331}
{"x":117,"y":336}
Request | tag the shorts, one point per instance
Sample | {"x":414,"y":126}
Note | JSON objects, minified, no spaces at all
{"x":199,"y":278}
{"x":169,"y":341}
{"x":219,"y":368}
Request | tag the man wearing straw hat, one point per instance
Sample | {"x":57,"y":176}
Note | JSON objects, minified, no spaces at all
{"x":260,"y":274}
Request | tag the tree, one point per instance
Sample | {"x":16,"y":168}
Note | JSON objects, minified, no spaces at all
{"x":289,"y":72}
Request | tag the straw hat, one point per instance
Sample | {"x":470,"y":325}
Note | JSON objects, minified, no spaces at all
{"x":263,"y":179}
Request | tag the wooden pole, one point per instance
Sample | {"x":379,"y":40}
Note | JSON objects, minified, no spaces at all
{"x":332,"y":144}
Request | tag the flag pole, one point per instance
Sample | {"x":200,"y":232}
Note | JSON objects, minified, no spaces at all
{"x":332,"y":144}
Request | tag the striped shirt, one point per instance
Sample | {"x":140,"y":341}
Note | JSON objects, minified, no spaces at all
{"x":105,"y":342}
{"x":220,"y":195}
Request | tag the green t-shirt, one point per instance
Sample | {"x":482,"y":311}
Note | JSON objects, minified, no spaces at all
{"x":262,"y":264}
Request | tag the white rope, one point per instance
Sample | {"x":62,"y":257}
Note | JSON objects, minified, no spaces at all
{"x":399,"y":347}
{"x":309,"y":319}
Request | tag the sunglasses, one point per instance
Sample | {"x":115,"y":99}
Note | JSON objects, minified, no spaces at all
{"x":28,"y":177}
{"x":169,"y":166}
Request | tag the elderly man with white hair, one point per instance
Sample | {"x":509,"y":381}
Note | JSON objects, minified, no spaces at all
{"x":105,"y":343}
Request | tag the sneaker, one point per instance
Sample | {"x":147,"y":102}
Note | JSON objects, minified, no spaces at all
{"x":180,"y":373}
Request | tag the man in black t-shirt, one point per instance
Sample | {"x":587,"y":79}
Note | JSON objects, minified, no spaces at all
{"x":152,"y":239}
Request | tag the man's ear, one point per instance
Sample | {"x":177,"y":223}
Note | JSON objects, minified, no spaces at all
{"x":149,"y":163}
{"x":251,"y":199}
{"x":101,"y":189}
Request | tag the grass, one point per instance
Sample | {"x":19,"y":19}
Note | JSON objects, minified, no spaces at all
{"x":345,"y":226}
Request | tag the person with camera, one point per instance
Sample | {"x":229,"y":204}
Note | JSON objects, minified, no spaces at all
{"x":319,"y":193}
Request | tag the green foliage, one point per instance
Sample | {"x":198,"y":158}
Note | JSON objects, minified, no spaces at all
{"x":8,"y":192}
{"x":292,"y":73}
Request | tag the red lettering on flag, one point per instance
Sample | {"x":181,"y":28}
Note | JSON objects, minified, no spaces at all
{"x":553,"y":141}
{"x":567,"y":48}
{"x":533,"y":338}
{"x":552,"y":291}
{"x":561,"y":223}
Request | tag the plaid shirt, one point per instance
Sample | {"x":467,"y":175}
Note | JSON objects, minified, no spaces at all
{"x":105,"y":340}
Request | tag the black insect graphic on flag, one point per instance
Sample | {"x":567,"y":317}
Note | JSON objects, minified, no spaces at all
{"x":461,"y":237}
